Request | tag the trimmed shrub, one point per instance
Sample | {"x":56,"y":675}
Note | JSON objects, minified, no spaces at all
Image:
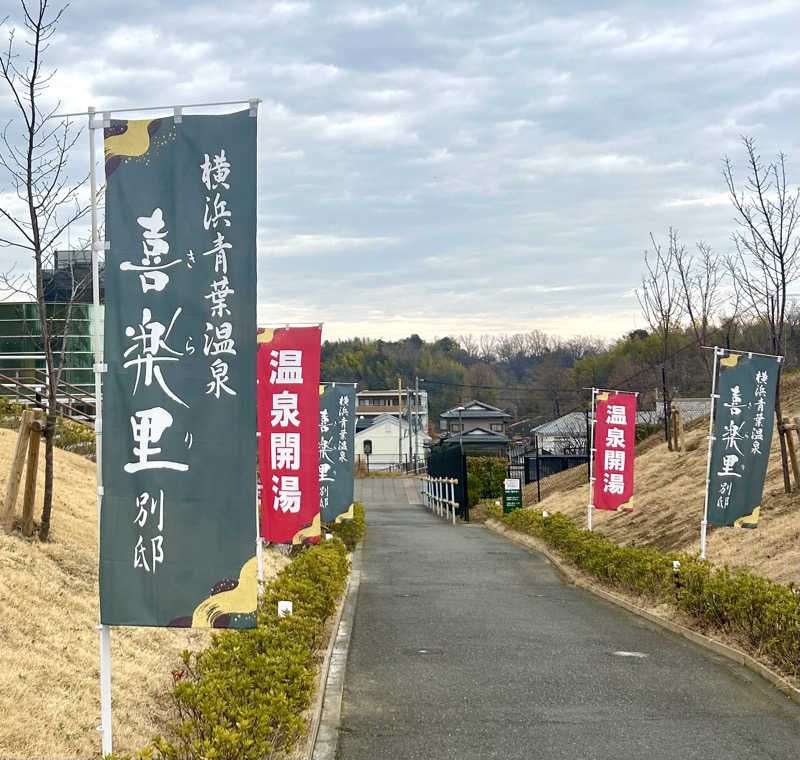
{"x":244,"y":695}
{"x":485,"y":476}
{"x":353,"y":531}
{"x":763,"y":615}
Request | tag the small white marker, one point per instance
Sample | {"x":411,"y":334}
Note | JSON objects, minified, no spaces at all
{"x":285,"y":608}
{"x":640,"y":655}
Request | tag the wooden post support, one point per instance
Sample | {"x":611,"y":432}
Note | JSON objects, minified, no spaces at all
{"x":29,"y":496}
{"x":788,"y":428}
{"x":15,"y":474}
{"x":677,"y":429}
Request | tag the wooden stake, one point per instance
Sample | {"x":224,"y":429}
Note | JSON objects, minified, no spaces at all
{"x":29,"y":496}
{"x":675,"y":429}
{"x":15,"y":474}
{"x":792,"y":450}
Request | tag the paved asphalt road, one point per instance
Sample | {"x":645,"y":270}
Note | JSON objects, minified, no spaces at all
{"x":468,"y":646}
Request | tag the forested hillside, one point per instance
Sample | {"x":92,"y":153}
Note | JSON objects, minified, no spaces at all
{"x":538,"y":377}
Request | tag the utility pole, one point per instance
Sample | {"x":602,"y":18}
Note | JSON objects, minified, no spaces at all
{"x":399,"y":424}
{"x":410,"y":442}
{"x":416,"y":422}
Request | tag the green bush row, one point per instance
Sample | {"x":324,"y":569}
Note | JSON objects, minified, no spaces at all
{"x":485,"y":476}
{"x":763,"y":615}
{"x":244,"y":695}
{"x":351,"y":532}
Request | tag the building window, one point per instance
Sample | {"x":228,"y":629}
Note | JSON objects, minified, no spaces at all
{"x":497,"y":427}
{"x":453,"y":427}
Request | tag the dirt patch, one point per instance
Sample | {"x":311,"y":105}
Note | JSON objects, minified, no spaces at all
{"x":48,"y":642}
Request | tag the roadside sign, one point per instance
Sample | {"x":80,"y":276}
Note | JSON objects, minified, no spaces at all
{"x":512,"y":495}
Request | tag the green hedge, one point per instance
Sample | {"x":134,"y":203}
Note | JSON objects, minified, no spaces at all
{"x":351,"y":532}
{"x":485,"y":476}
{"x":244,"y":695}
{"x":760,"y":613}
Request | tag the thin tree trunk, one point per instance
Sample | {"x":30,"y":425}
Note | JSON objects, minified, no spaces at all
{"x":787,"y":484}
{"x":49,"y":440}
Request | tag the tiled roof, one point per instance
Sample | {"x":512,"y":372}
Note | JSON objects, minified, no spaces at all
{"x":476,"y":409}
{"x":573,"y":424}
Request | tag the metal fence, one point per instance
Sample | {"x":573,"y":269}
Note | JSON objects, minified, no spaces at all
{"x":542,"y":466}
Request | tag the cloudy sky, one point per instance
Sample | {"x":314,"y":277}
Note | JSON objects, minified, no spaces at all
{"x":446,"y":166}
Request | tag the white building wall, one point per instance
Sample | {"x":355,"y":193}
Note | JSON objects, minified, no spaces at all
{"x":384,"y":437}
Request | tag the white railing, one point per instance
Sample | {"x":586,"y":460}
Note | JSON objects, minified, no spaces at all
{"x":438,"y":495}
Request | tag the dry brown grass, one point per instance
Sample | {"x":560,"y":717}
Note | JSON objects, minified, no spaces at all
{"x":668,"y":504}
{"x":49,"y":688}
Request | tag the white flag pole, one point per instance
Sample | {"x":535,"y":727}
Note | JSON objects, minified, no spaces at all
{"x":591,"y":465}
{"x":99,"y":368}
{"x":259,"y":540}
{"x":711,"y":439}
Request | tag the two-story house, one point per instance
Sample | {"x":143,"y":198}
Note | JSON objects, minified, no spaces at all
{"x":475,"y":422}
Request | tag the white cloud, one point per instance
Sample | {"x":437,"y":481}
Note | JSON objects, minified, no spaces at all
{"x":306,"y":244}
{"x":462,"y":166}
{"x":712,"y":199}
{"x":371,"y":16}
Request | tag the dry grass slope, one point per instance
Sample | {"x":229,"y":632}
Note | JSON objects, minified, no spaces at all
{"x":668,"y":502}
{"x":49,"y":689}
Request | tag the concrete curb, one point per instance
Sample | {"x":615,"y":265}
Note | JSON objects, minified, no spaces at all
{"x":326,"y":663}
{"x":736,"y":655}
{"x":324,"y":735}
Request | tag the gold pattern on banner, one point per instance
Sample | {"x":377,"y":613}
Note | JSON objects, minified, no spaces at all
{"x":729,"y":361}
{"x":134,"y":141}
{"x":237,"y":601}
{"x":310,"y":531}
{"x":347,"y":516}
{"x":748,"y":521}
{"x":265,"y":335}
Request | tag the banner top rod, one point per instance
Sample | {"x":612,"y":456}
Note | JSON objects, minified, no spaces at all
{"x":156,"y":108}
{"x":285,"y":325}
{"x":721,"y":350}
{"x":612,"y":390}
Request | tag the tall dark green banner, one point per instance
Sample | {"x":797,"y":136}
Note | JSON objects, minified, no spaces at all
{"x":178,"y":525}
{"x":337,"y":432}
{"x":744,"y":410}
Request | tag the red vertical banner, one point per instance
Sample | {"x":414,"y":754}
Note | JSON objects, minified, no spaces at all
{"x":288,"y":425}
{"x":614,"y":442}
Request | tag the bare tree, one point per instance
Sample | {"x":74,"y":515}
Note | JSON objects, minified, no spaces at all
{"x":537,"y":344}
{"x":486,"y":348}
{"x":660,"y":301}
{"x":766,"y":259}
{"x":470,"y":345}
{"x":34,"y":157}
{"x":701,"y":280}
